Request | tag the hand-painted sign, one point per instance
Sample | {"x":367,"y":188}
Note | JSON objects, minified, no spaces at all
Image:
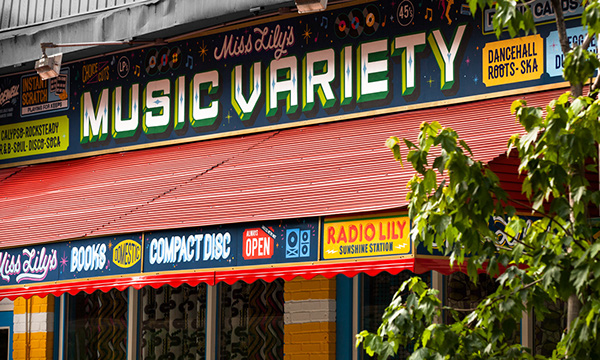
{"x":258,"y":243}
{"x":71,"y":260}
{"x":44,"y":136}
{"x":127,"y":253}
{"x":554,"y":56}
{"x":542,"y":11}
{"x":498,"y":224}
{"x":188,"y":250}
{"x":514,"y":60}
{"x":118,"y":255}
{"x":230,"y":246}
{"x":266,"y":243}
{"x":27,"y":265}
{"x":366,"y":237}
{"x":299,"y":69}
{"x":42,"y":96}
{"x":9,"y":97}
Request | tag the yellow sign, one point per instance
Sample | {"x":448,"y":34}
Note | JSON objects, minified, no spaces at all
{"x":127,"y":253}
{"x":513,"y":61}
{"x":34,"y":137}
{"x":366,"y":237}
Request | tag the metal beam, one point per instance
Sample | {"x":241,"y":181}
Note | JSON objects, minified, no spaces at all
{"x":146,"y":21}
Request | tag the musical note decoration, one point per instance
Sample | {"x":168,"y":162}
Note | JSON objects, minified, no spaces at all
{"x":429,"y":14}
{"x":325,"y":21}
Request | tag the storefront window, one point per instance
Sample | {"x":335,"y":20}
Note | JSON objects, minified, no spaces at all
{"x":173,"y":322}
{"x":97,"y":326}
{"x":251,"y":321}
{"x":4,"y":339}
{"x":462,"y":293}
{"x":377,"y":294}
{"x":547,"y":332}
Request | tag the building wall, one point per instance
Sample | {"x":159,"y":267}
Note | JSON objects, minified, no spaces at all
{"x":309,"y":322}
{"x":33,"y":328}
{"x":310,"y":319}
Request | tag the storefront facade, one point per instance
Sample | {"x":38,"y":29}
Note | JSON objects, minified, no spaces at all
{"x":227,"y":194}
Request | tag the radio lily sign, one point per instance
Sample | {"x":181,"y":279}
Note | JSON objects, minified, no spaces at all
{"x":366,"y":237}
{"x":341,"y":63}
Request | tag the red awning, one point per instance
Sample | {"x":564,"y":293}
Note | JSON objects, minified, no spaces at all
{"x":328,"y":270}
{"x":328,"y":169}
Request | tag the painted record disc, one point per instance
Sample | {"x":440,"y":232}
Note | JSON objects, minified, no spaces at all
{"x":342,"y":26}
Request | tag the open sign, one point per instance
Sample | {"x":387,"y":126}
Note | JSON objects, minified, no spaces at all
{"x":257,"y":244}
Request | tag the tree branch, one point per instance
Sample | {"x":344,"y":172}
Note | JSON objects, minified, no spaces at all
{"x":496,"y":299}
{"x":515,"y":239}
{"x":587,"y":41}
{"x":561,"y":27}
{"x":576,"y":89}
{"x":586,"y":44}
{"x":542,"y":214}
{"x":595,"y":86}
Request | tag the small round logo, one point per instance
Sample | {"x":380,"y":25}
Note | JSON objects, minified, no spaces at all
{"x":406,"y":13}
{"x":127,"y":253}
{"x":123,"y":67}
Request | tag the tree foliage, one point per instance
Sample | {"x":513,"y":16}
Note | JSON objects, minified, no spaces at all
{"x":452,"y":197}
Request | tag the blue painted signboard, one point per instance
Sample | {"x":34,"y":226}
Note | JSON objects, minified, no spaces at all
{"x":295,"y":69}
{"x":251,"y":244}
{"x":81,"y":259}
{"x":272,"y":242}
{"x":497,"y":224}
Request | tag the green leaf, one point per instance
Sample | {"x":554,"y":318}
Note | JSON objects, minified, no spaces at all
{"x":466,"y":147}
{"x":580,"y":65}
{"x":591,"y":17}
{"x":426,"y":336}
{"x":440,"y":162}
{"x":594,"y":249}
{"x":590,"y":317}
{"x":420,"y":354}
{"x":516,"y":105}
{"x":441,"y":223}
{"x":578,"y":193}
{"x":393,"y":144}
{"x":529,"y":117}
{"x":561,"y":207}
{"x":509,"y":326}
{"x":579,"y":276}
{"x":430,"y":180}
{"x":564,"y":98}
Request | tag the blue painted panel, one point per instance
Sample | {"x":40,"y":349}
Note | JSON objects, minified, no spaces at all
{"x":7,"y":320}
{"x":109,"y":256}
{"x":344,"y":337}
{"x":341,"y":62}
{"x":497,"y":225}
{"x":269,"y":242}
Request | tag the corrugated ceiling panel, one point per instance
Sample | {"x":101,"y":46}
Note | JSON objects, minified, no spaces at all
{"x":335,"y":168}
{"x":16,"y":13}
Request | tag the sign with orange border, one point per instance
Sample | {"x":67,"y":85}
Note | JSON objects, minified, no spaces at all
{"x":366,"y":237}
